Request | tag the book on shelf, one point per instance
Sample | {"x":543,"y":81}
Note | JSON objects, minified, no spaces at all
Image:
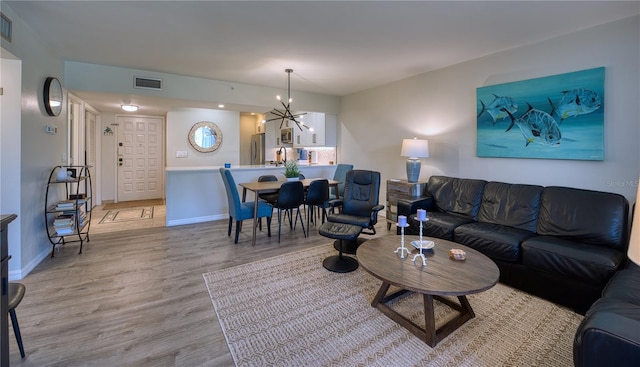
{"x":67,"y":204}
{"x":63,"y":222}
{"x":64,"y":231}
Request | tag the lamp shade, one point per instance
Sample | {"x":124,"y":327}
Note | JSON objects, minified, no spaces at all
{"x":634,"y":241}
{"x":417,"y":148}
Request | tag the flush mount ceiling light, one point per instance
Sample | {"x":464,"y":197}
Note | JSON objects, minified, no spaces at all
{"x":129,"y":107}
{"x":286,"y":114}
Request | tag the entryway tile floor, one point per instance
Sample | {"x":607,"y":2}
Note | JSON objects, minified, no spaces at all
{"x":98,"y":213}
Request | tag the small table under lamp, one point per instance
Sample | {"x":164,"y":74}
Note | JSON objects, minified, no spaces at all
{"x":634,"y":240}
{"x":414,"y":149}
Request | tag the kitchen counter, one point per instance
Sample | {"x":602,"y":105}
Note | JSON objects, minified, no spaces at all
{"x":197,"y":194}
{"x":302,"y":166}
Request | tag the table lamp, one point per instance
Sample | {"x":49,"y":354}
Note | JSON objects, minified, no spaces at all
{"x":414,"y":149}
{"x":634,"y":241}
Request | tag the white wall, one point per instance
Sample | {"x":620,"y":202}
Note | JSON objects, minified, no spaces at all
{"x":11,"y":83}
{"x":39,"y":151}
{"x":180,"y":121}
{"x":441,"y":106}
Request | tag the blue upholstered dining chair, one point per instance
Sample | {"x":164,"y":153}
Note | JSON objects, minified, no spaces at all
{"x":340,"y":175}
{"x":239,"y":210}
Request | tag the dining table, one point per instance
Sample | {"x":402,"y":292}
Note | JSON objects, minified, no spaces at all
{"x":273,"y":186}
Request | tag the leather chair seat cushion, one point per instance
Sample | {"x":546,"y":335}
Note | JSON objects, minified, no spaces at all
{"x":339,"y":231}
{"x":574,"y":260}
{"x":624,"y":286}
{"x":364,"y":222}
{"x":440,"y":224}
{"x":494,"y":240}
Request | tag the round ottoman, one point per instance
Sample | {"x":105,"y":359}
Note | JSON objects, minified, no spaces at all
{"x":342,"y":232}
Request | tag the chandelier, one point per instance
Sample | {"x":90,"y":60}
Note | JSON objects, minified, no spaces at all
{"x":285,"y":114}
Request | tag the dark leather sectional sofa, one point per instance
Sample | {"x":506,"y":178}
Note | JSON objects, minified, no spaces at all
{"x":559,"y":243}
{"x":564,"y":244}
{"x":609,"y":335}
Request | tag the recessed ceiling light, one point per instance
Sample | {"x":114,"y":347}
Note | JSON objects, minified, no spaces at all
{"x":129,"y":107}
{"x":220,"y":106}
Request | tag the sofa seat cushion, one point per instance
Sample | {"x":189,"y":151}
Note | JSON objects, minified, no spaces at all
{"x":441,"y":225}
{"x":624,"y":286}
{"x":494,"y":240}
{"x":574,"y":260}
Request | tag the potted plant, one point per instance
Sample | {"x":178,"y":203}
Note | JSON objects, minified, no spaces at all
{"x":291,"y":171}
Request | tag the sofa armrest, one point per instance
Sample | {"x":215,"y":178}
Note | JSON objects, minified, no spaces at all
{"x":407,"y":207}
{"x":609,"y":336}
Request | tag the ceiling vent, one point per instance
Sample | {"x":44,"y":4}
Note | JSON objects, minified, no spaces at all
{"x":147,"y":83}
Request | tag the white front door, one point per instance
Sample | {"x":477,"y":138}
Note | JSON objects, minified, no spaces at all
{"x":140,"y":158}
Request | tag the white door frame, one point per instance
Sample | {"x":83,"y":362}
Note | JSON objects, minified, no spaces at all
{"x":96,"y":181}
{"x":75,"y":135}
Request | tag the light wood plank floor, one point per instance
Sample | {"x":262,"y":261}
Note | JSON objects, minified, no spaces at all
{"x":137,"y":297}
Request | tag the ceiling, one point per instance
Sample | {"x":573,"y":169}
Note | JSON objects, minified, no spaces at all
{"x":335,"y":47}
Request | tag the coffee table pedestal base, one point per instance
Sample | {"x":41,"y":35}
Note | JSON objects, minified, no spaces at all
{"x":429,"y":334}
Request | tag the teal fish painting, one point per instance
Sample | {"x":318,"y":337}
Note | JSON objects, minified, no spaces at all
{"x":575,"y":102}
{"x":559,"y":116}
{"x":498,"y":107}
{"x":537,"y":126}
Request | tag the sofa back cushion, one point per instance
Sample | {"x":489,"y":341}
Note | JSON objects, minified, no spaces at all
{"x":456,"y":195}
{"x":594,"y":217}
{"x":511,"y":205}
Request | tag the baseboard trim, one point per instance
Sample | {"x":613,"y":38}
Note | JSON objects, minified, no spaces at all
{"x":21,"y":273}
{"x":208,"y":218}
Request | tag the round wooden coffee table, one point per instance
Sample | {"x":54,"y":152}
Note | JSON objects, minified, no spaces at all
{"x":442,"y":276}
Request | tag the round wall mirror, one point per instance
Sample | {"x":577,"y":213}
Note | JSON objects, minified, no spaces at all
{"x":205,"y":136}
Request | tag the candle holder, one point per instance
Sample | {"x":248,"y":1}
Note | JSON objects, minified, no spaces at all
{"x":420,"y":219}
{"x":402,"y":249}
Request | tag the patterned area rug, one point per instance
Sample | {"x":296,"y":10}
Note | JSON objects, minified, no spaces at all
{"x":132,"y":204}
{"x":127,"y":215}
{"x":290,"y":311}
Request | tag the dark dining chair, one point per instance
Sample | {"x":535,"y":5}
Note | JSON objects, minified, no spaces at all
{"x":317,"y":198}
{"x":290,"y":197}
{"x":16,"y":293}
{"x":241,"y":211}
{"x":269,"y":197}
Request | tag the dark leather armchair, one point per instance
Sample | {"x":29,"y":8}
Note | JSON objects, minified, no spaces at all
{"x":359,"y":205}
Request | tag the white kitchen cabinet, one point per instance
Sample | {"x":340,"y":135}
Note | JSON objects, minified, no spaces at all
{"x":314,"y":134}
{"x":272,"y":132}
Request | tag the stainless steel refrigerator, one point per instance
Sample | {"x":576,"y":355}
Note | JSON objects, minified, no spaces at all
{"x":257,"y":149}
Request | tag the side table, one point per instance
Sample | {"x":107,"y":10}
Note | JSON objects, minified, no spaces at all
{"x":401,"y":189}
